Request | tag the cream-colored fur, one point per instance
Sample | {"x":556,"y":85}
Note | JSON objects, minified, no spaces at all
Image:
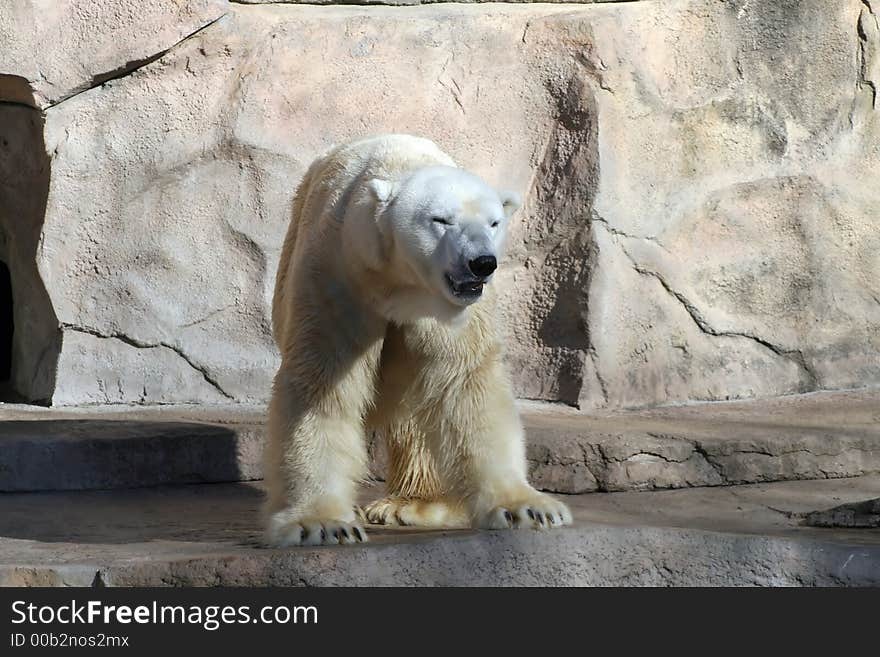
{"x":367,"y":340}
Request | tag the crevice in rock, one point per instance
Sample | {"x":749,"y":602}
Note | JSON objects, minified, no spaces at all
{"x":590,"y":454}
{"x":788,"y":514}
{"x":666,"y":459}
{"x":526,"y":30}
{"x":619,"y":233}
{"x":603,"y":386}
{"x":208,"y":316}
{"x":98,"y":580}
{"x":717,"y":467}
{"x":793,"y":355}
{"x":454,"y":90}
{"x":139,"y":344}
{"x":799,"y":450}
{"x":128,"y":68}
{"x":868,"y":30}
{"x":594,"y":71}
{"x":608,"y":458}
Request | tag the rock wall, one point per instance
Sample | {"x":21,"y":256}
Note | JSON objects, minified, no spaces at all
{"x":700,"y":181}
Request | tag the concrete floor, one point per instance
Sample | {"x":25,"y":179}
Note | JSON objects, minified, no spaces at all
{"x":208,"y":534}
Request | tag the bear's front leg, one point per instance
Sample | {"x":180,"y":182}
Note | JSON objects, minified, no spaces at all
{"x":316,"y":455}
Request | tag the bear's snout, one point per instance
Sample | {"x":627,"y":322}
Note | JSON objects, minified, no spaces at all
{"x":483,"y":266}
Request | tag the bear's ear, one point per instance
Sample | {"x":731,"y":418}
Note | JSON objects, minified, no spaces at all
{"x":382,"y":190}
{"x":510,"y":201}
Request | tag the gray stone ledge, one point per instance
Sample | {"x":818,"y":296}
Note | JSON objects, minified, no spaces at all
{"x":816,"y":436}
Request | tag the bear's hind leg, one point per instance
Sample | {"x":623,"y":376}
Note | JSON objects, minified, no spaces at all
{"x":415,"y":497}
{"x":414,"y":512}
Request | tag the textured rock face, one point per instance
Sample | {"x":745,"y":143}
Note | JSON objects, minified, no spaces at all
{"x":736,"y":207}
{"x":53,"y":50}
{"x":700,"y":185}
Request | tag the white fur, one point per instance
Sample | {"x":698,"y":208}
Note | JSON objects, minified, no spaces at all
{"x":374,"y":331}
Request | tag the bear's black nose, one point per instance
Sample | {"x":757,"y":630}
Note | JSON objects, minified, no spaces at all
{"x":483,"y":266}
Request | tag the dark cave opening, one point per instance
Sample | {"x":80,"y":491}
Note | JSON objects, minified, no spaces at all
{"x":6,"y":323}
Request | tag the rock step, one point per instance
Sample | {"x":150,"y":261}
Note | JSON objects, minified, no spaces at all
{"x":124,"y":447}
{"x":208,"y":535}
{"x":817,"y":436}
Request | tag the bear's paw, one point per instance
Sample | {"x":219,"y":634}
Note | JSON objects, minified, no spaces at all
{"x":284,"y":532}
{"x":539,"y":511}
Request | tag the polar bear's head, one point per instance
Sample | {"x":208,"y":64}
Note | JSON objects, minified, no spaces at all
{"x":445,"y":228}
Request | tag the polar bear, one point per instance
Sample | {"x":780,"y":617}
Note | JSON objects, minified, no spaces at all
{"x":385,"y":319}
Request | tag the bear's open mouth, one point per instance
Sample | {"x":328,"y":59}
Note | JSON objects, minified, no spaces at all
{"x":465,"y":289}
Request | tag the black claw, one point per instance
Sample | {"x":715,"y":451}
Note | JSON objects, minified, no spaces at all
{"x":508,"y":516}
{"x":344,"y":533}
{"x":540,"y":518}
{"x":358,"y":534}
{"x":531,"y":514}
{"x":323,"y":535}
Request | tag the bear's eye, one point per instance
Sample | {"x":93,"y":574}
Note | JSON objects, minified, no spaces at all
{"x":441,"y":220}
{"x":494,"y":224}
